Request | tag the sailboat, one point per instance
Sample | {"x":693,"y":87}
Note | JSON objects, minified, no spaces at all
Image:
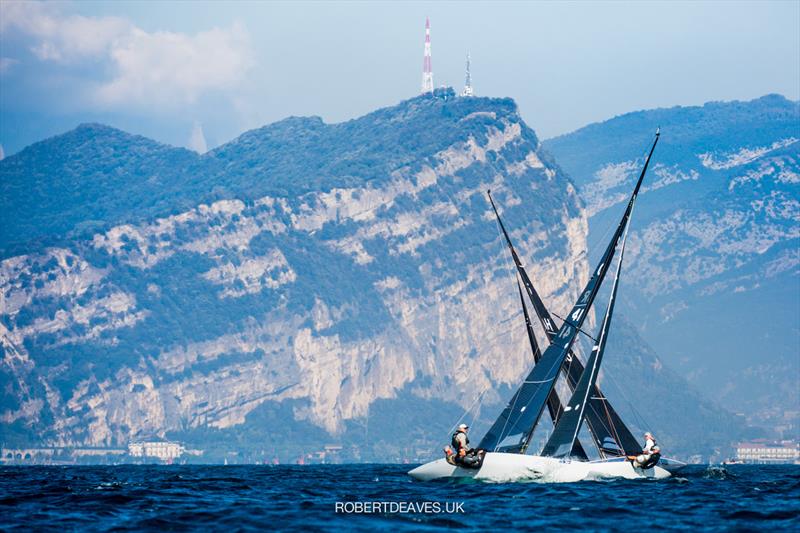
{"x":563,"y":457}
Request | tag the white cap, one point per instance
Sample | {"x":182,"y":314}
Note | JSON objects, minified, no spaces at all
{"x":463,"y":426}
{"x":648,"y":434}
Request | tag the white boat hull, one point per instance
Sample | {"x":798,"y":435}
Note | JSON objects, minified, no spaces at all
{"x":510,"y":467}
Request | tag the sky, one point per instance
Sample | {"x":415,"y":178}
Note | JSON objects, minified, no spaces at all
{"x":198,"y":74}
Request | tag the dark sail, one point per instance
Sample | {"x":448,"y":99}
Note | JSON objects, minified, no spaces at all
{"x":610,"y":434}
{"x":513,"y":428}
{"x":553,"y":402}
{"x":569,"y":424}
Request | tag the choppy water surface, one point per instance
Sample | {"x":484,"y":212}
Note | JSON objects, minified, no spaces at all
{"x":295,"y":497}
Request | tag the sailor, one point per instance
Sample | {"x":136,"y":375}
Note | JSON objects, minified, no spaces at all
{"x":460,"y":441}
{"x":650,"y":455}
{"x":649,"y":442}
{"x":464,"y":455}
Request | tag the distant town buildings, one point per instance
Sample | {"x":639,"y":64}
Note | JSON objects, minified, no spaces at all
{"x":762,"y":452}
{"x":60,"y":455}
{"x":163,"y":450}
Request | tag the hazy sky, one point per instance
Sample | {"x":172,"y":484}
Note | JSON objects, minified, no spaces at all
{"x":200,"y":73}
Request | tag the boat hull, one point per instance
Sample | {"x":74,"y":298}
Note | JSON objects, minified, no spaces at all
{"x":671,"y":465}
{"x":512,"y":467}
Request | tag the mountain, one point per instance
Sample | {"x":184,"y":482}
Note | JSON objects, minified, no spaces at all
{"x":714,"y":256}
{"x":304,"y":284}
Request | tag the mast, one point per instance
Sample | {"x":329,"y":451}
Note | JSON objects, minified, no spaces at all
{"x":569,"y":425}
{"x":553,"y":402}
{"x":610,"y":434}
{"x":537,"y":353}
{"x":512,"y":430}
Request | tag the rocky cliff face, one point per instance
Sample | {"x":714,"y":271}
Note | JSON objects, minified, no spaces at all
{"x":335,"y":297}
{"x":714,"y":247}
{"x":306,"y":281}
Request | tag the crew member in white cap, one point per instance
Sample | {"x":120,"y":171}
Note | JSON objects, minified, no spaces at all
{"x":460,"y":441}
{"x":649,"y":442}
{"x":464,"y":455}
{"x":650,"y":453}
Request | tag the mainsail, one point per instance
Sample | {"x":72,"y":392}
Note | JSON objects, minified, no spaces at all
{"x":610,"y":434}
{"x":569,"y":424}
{"x":512,"y":430}
{"x":553,"y":402}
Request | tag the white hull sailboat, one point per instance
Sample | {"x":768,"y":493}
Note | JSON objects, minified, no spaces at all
{"x":563,"y":458}
{"x":515,"y":467}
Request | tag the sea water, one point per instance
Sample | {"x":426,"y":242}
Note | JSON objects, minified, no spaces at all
{"x":370,"y":497}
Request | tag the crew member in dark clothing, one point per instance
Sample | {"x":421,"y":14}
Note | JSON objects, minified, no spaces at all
{"x":464,"y":455}
{"x":650,"y":455}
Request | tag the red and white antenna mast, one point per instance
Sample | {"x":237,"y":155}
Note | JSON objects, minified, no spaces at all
{"x":427,"y":69}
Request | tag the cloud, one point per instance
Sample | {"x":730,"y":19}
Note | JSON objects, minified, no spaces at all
{"x":60,"y":37}
{"x":160,"y":68}
{"x":167,"y":67}
{"x":197,"y":141}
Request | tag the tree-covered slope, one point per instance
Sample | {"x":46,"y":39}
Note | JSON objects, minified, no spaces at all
{"x":714,"y":249}
{"x":306,"y":281}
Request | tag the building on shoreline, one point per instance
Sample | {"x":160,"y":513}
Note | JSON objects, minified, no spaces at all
{"x":60,"y":455}
{"x":162,"y":450}
{"x":136,"y":452}
{"x":765,"y":452}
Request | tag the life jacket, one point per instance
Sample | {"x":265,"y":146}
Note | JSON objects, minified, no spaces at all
{"x":456,"y":444}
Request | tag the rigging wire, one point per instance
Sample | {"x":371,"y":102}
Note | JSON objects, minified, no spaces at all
{"x":591,"y":249}
{"x":466,"y":412}
{"x":510,"y":269}
{"x":610,"y":424}
{"x":562,"y":319}
{"x":637,"y":415}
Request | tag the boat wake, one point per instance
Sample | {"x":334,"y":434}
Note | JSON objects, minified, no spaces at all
{"x":717,"y":472}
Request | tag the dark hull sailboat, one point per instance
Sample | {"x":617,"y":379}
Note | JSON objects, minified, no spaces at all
{"x":563,"y":457}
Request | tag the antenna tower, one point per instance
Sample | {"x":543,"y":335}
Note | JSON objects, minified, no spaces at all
{"x":468,"y":81}
{"x":427,"y":69}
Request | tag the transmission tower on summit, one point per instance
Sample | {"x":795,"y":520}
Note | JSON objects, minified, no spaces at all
{"x":427,"y":69}
{"x":467,"y":82}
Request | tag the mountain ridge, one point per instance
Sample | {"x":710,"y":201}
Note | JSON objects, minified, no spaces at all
{"x":368,"y":272}
{"x":714,"y":248}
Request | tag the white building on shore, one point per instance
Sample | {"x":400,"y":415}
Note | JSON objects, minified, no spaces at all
{"x":163,"y":450}
{"x":762,"y":452}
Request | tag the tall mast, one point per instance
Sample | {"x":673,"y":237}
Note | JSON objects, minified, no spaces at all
{"x":553,"y":402}
{"x":611,"y":435}
{"x":569,"y":425}
{"x":427,"y":68}
{"x":512,"y":430}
